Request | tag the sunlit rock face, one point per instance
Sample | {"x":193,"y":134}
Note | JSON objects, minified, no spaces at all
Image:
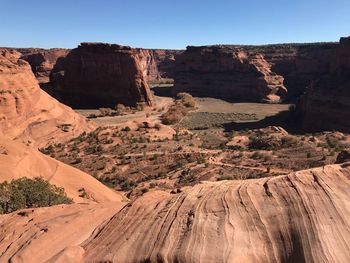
{"x":27,"y":112}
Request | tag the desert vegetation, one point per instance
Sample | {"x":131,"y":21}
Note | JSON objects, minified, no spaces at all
{"x":30,"y":193}
{"x":183,"y":103}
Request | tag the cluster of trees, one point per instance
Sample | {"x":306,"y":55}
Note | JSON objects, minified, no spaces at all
{"x":29,"y":193}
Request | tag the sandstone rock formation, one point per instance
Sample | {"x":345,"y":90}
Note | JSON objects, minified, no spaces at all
{"x":166,"y":61}
{"x":149,"y":65}
{"x":51,"y":234}
{"x":18,"y":160}
{"x":226,"y":73}
{"x":278,"y":219}
{"x":326,"y":103}
{"x":301,"y":217}
{"x":204,"y":71}
{"x":42,"y":61}
{"x":28,"y":113}
{"x":102,"y":75}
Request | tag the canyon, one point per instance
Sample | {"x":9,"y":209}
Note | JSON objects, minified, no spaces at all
{"x":196,"y":190}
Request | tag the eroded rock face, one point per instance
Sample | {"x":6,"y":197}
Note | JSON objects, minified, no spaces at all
{"x":326,"y":103}
{"x":204,"y":70}
{"x":42,"y":61}
{"x":102,"y":75}
{"x":301,"y":217}
{"x":27,"y":112}
{"x":158,"y":64}
{"x":227,"y":73}
{"x":276,"y":219}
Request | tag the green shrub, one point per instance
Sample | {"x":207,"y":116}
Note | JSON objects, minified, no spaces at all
{"x":28,"y":193}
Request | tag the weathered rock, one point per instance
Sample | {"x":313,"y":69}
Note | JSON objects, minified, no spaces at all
{"x":158,"y":64}
{"x":166,"y":61}
{"x":301,"y":217}
{"x":42,"y":61}
{"x":227,"y":73}
{"x":27,"y":112}
{"x":277,"y":219}
{"x":326,"y":103}
{"x":200,"y":70}
{"x":101,"y":75}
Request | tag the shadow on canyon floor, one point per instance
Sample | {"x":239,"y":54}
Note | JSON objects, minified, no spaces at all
{"x":285,"y":119}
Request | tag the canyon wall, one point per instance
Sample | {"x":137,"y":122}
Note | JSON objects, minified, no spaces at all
{"x":283,"y":71}
{"x":102,"y":75}
{"x":326,"y":103}
{"x":42,"y":61}
{"x":227,"y":73}
{"x":27,"y":112}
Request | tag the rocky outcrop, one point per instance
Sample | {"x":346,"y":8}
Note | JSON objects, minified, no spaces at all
{"x":102,"y":75}
{"x":227,"y":73}
{"x":42,"y":61}
{"x":301,"y":217}
{"x":204,"y":70}
{"x":27,"y":112}
{"x":326,"y":103}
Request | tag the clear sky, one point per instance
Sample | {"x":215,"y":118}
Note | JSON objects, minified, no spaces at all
{"x":171,"y":24}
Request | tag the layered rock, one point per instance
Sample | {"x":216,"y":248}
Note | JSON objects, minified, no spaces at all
{"x":27,"y":112}
{"x":301,"y":217}
{"x":326,"y":103}
{"x":42,"y":61}
{"x":102,"y":75}
{"x":227,"y":73}
{"x":298,"y":64}
{"x":149,"y":65}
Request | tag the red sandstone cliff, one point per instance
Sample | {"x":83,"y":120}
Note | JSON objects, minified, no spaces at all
{"x":102,"y":75}
{"x":204,"y":70}
{"x":227,"y":73}
{"x":42,"y":60}
{"x":326,"y":103}
{"x":27,"y":112}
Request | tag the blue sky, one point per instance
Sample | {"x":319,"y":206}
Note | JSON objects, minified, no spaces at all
{"x":171,"y":24}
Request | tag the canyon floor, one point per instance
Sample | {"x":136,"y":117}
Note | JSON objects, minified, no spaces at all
{"x":135,"y":153}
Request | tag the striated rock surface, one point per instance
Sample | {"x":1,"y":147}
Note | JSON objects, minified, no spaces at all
{"x":326,"y":103}
{"x":42,"y":61}
{"x":27,"y":112}
{"x":51,"y":234}
{"x":277,"y":219}
{"x":301,"y":217}
{"x":102,"y":75}
{"x":227,"y":73}
{"x":204,"y":70}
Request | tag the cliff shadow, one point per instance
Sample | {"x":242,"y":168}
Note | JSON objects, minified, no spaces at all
{"x":163,"y":90}
{"x":288,"y":120}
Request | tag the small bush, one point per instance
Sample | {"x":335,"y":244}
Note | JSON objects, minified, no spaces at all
{"x":28,"y":193}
